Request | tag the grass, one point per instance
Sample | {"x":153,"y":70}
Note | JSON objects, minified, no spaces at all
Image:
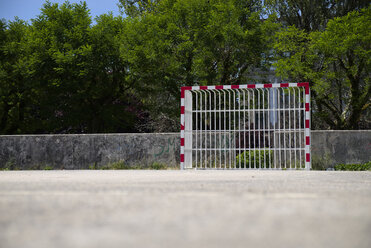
{"x":121,"y":165}
{"x":322,"y":162}
{"x":158,"y":166}
{"x":326,"y":161}
{"x":353,"y":167}
{"x":14,"y":167}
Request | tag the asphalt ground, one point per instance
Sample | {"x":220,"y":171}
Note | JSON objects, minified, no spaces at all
{"x":185,"y":209}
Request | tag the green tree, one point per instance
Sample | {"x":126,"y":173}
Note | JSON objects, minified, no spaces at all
{"x":312,"y":15}
{"x":337,"y":64}
{"x":16,"y":88}
{"x":59,"y":40}
{"x":81,"y":78}
{"x":172,"y":43}
{"x":110,"y":100}
{"x":135,"y":8}
{"x":61,"y":74}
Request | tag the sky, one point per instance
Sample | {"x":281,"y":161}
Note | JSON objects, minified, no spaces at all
{"x":28,"y":9}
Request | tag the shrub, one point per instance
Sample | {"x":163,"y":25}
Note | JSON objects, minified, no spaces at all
{"x":255,"y":157}
{"x":158,"y":166}
{"x":353,"y":167}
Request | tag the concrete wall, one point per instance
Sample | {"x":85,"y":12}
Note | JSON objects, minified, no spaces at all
{"x":82,"y":151}
{"x":337,"y":147}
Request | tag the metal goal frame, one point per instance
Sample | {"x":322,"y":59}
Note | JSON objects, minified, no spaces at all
{"x":277,"y":127}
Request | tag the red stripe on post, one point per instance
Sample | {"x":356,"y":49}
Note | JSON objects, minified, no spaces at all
{"x":181,"y":157}
{"x":307,"y":157}
{"x":203,"y":87}
{"x":182,"y":109}
{"x":184,"y":89}
{"x":267,"y":85}
{"x":181,"y":141}
{"x":284,"y":85}
{"x":307,"y":106}
{"x":305,"y":84}
{"x":235,"y":86}
{"x":307,"y":140}
{"x":219,"y":87}
{"x":306,"y":123}
{"x":251,"y":86}
{"x":181,"y":127}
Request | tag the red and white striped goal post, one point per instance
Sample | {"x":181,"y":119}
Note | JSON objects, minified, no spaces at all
{"x":273,"y":142}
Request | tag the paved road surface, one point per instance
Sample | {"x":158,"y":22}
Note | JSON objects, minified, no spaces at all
{"x":185,"y":209}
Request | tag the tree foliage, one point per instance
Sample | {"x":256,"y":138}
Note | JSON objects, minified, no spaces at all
{"x":312,"y":15}
{"x":16,"y":91}
{"x":337,"y":63}
{"x":61,"y":74}
{"x":64,"y":72}
{"x":170,"y":43}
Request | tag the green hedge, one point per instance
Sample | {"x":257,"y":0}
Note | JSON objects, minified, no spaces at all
{"x":353,"y":167}
{"x":256,"y":156}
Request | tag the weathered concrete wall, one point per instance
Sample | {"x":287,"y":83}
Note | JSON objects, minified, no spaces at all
{"x":82,"y":151}
{"x":337,"y":146}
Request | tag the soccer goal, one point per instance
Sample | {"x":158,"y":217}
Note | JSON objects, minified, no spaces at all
{"x":255,"y":126}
